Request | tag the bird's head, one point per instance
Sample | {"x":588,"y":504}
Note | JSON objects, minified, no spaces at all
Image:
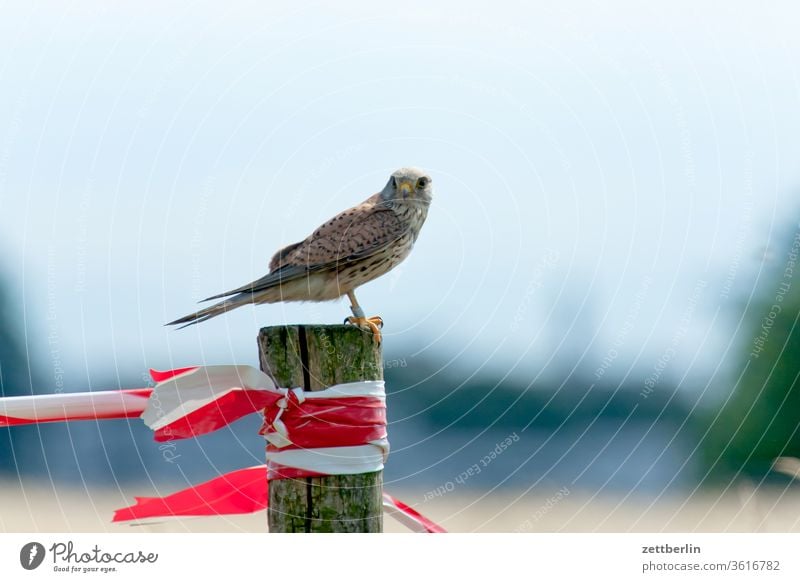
{"x":408,"y":185}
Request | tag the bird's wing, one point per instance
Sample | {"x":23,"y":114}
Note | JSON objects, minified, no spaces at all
{"x":353,"y":235}
{"x":278,"y":259}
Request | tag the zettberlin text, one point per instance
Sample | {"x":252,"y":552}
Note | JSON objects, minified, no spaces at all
{"x":667,"y":549}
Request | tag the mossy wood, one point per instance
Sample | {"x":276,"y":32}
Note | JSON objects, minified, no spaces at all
{"x":315,"y":357}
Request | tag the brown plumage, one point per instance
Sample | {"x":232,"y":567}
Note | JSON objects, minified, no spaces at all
{"x":354,"y":247}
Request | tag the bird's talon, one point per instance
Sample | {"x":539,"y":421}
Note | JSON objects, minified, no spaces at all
{"x":372,"y":324}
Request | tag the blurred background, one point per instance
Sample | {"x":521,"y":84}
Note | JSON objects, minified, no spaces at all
{"x":608,"y":276}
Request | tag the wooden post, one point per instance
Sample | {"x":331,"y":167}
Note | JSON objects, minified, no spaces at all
{"x":315,"y":357}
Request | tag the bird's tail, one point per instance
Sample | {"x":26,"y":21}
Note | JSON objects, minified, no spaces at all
{"x":214,"y":310}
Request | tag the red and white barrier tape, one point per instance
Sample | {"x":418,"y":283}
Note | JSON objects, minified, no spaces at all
{"x":243,"y":491}
{"x":19,"y":410}
{"x":337,"y":431}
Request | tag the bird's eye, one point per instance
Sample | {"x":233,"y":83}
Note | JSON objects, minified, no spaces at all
{"x":422,"y":182}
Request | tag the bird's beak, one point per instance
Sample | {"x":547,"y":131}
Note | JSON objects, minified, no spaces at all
{"x":405,"y":188}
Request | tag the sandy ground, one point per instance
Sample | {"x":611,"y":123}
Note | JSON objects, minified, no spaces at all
{"x":36,"y":508}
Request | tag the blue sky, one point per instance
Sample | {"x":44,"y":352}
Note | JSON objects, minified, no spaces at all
{"x":582,"y":156}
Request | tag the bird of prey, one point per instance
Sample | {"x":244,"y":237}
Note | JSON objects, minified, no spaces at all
{"x":352,"y":248}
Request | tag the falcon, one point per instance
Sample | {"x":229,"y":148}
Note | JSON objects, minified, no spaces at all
{"x":351,"y":249}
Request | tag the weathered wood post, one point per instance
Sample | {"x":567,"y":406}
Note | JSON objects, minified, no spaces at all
{"x":315,"y":357}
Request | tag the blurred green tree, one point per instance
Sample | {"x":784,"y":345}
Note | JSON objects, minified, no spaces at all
{"x":761,"y":419}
